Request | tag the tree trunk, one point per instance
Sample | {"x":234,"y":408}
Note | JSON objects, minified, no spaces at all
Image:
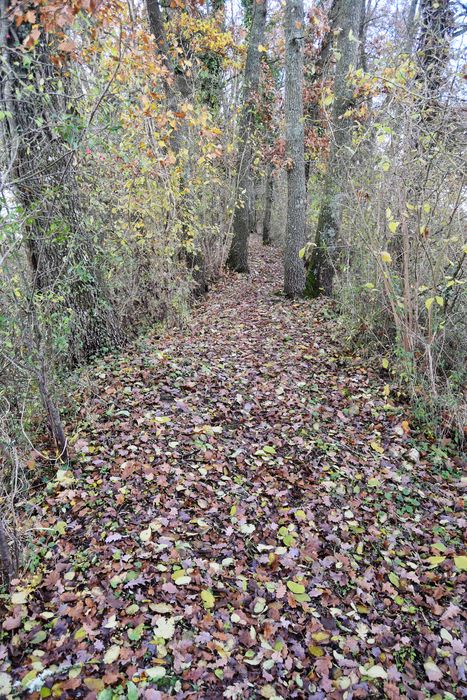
{"x":178,"y":89}
{"x":64,"y":264}
{"x":6,"y":565}
{"x":238,"y":255}
{"x":294,"y":269}
{"x":325,"y":256}
{"x":268,"y":197}
{"x":433,"y":52}
{"x":411,"y":26}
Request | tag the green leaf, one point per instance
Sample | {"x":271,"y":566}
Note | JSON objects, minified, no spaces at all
{"x":39,"y":637}
{"x":135,"y":633}
{"x":394,"y":579}
{"x":439,"y":546}
{"x":106,"y":694}
{"x":295,"y":587}
{"x":132,"y":692}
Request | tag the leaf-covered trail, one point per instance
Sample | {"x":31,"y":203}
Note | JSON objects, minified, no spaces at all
{"x":247,"y":516}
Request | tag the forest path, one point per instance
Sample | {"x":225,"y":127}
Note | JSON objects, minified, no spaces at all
{"x":247,"y":516}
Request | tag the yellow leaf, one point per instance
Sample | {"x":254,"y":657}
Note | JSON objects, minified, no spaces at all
{"x":262,"y":49}
{"x":145,"y":535}
{"x":377,"y":447}
{"x":434,"y":561}
{"x":439,"y":301}
{"x":385,"y":362}
{"x":386,"y":257}
{"x":295,"y":587}
{"x":19,"y":598}
{"x":320,"y":636}
{"x":316,"y":651}
{"x":112,"y":654}
{"x":96,"y":684}
{"x":208,"y":599}
{"x":460,"y":562}
{"x":60,"y":527}
{"x":393,"y":226}
{"x":429,"y":303}
{"x":80,"y":634}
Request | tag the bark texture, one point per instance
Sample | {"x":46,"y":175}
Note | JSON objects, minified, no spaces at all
{"x":243,"y":216}
{"x":294,"y":269}
{"x":325,"y":257}
{"x":268,"y":196}
{"x":63,"y":259}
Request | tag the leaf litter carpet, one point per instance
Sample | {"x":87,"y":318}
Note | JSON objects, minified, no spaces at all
{"x":248,"y":515}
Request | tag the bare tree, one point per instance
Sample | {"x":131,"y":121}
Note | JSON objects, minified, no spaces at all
{"x":294,"y":269}
{"x":325,"y":255}
{"x":244,"y":215}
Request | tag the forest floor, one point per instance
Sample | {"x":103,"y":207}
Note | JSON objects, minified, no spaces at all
{"x":249,"y":514}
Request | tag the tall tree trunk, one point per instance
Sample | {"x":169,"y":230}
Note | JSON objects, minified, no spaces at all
{"x":40,"y":171}
{"x":177,"y":87}
{"x":65,"y":281}
{"x":410,"y":26}
{"x":294,"y":269}
{"x":238,"y":255}
{"x":325,"y":256}
{"x":268,"y":196}
{"x":433,"y":51}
